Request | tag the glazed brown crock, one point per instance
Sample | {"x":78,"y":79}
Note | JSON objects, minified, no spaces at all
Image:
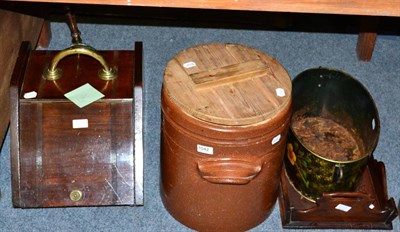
{"x":220,"y":171}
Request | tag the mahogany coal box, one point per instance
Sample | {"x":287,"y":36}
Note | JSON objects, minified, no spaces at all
{"x":63,"y":154}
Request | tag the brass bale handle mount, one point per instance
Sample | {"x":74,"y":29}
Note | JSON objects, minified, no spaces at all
{"x":53,"y":73}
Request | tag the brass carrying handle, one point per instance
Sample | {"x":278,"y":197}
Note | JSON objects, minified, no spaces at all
{"x":53,"y":73}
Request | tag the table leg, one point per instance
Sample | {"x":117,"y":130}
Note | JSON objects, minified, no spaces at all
{"x":367,"y":37}
{"x":45,"y":35}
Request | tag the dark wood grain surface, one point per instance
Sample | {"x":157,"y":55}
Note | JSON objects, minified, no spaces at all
{"x":52,"y":160}
{"x":14,"y":28}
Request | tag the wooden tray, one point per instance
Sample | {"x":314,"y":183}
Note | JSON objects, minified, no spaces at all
{"x":368,"y":207}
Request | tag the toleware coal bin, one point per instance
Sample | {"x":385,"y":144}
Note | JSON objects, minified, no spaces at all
{"x":333,"y":132}
{"x":225,"y":116}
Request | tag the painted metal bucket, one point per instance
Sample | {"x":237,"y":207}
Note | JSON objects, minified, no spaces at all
{"x":333,"y":132}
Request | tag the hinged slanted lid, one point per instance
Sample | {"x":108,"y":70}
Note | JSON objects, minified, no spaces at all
{"x":227,"y":84}
{"x":79,"y":70}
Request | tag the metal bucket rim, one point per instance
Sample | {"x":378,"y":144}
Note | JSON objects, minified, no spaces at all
{"x":326,"y":159}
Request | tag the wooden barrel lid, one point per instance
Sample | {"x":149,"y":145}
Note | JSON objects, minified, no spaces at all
{"x":227,"y":84}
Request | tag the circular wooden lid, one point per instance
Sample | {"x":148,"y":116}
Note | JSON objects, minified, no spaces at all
{"x":227,"y":84}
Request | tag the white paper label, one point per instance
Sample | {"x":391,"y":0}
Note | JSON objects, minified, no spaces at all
{"x":189,"y":64}
{"x":280,"y":92}
{"x":205,"y":149}
{"x":344,"y":208}
{"x":80,"y":123}
{"x":373,"y":124}
{"x":30,"y":95}
{"x":276,"y":139}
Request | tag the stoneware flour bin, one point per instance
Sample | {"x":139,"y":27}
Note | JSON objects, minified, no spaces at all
{"x":225,"y":115}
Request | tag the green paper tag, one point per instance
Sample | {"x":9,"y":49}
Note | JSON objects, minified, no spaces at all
{"x":84,"y":95}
